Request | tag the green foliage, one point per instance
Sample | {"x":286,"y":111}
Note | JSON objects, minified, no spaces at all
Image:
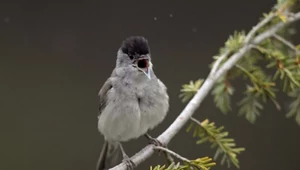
{"x":201,"y":164}
{"x":287,"y":66}
{"x":295,"y":106}
{"x":250,"y":105}
{"x":256,"y":95}
{"x":189,"y":90}
{"x":225,"y":147}
{"x":235,"y":41}
{"x":222,"y":92}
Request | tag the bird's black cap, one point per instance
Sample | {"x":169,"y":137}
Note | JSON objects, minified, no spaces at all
{"x":135,"y":45}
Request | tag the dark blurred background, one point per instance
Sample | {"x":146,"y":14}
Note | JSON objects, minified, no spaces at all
{"x":55,"y":56}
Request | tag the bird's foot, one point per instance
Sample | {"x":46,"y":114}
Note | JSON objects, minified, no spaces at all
{"x":154,"y":141}
{"x":129,"y":164}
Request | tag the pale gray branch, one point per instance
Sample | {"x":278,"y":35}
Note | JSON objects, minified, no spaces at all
{"x":218,"y":62}
{"x":195,"y":102}
{"x":258,"y":26}
{"x":275,"y":28}
{"x":286,"y":42}
{"x":196,"y":121}
{"x":172,"y":153}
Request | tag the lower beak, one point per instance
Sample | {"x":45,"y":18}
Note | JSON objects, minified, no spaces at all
{"x":147,"y":73}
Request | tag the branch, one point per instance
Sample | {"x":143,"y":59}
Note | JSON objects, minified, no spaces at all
{"x":286,"y":42}
{"x":172,"y":153}
{"x":195,"y":102}
{"x":196,"y":121}
{"x":275,"y":28}
{"x":258,"y":26}
{"x":217,"y":63}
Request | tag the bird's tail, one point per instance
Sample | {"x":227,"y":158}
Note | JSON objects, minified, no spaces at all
{"x":109,"y":156}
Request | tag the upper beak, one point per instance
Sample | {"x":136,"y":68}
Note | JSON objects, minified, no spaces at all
{"x":143,"y":63}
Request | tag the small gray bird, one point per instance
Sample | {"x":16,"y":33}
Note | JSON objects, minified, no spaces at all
{"x":132,"y":102}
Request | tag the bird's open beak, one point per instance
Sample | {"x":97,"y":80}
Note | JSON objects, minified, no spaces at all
{"x":143,"y":63}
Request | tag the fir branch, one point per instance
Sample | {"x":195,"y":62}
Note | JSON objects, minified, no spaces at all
{"x":208,"y":132}
{"x":198,"y":164}
{"x":222,"y":92}
{"x":189,"y":90}
{"x":250,"y":105}
{"x":201,"y":163}
{"x":197,"y":99}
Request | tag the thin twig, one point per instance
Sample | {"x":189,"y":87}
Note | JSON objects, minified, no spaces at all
{"x":172,"y":153}
{"x":286,"y":42}
{"x":258,"y":26}
{"x":259,"y":38}
{"x":196,"y":121}
{"x":247,"y":40}
{"x":217,"y":63}
{"x":195,"y":102}
{"x":168,"y":157}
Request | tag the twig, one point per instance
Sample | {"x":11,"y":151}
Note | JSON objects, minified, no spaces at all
{"x":172,"y":153}
{"x":217,"y":63}
{"x":286,"y":42}
{"x":195,"y":102}
{"x":246,"y":41}
{"x":259,"y":38}
{"x":258,"y":26}
{"x":168,"y":157}
{"x":196,"y":121}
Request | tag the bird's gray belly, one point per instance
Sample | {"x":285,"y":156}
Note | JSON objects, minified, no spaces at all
{"x":120,"y":120}
{"x":153,"y":109}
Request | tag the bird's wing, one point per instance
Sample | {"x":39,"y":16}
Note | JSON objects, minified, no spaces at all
{"x":103,"y":94}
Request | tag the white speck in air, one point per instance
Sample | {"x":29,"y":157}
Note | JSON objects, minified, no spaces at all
{"x":155,"y":18}
{"x":171,"y":15}
{"x":6,"y":19}
{"x":194,"y":29}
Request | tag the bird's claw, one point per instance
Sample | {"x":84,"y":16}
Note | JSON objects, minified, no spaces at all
{"x":155,"y":142}
{"x":129,"y":164}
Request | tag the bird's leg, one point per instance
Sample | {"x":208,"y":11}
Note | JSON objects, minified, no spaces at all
{"x":129,"y":164}
{"x":155,"y":142}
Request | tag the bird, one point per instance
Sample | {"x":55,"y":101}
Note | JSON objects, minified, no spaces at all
{"x":133,"y":101}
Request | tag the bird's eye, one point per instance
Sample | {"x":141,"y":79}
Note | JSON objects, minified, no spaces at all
{"x":131,"y":57}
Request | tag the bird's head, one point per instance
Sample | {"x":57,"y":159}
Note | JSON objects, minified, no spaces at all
{"x":135,"y":52}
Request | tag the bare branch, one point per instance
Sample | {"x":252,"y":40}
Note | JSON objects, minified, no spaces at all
{"x":196,"y":121}
{"x":286,"y":42}
{"x":275,"y":28}
{"x":217,"y":63}
{"x":172,"y":153}
{"x":258,"y":26}
{"x":195,"y":102}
